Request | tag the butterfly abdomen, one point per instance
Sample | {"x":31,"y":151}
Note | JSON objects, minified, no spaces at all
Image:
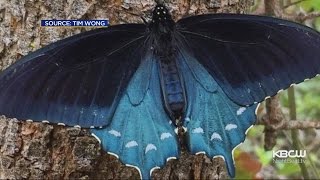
{"x":162,"y":27}
{"x":172,"y":87}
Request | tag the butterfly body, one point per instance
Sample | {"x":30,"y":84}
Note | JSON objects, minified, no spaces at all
{"x":172,"y":86}
{"x":134,"y":79}
{"x":162,"y":29}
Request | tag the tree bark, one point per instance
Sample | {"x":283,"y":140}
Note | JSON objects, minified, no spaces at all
{"x":42,"y":151}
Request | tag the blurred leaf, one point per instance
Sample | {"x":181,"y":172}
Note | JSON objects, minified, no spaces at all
{"x":246,"y":165}
{"x":307,"y":99}
{"x":255,"y":131}
{"x":265,"y":157}
{"x":288,"y":168}
{"x":317,"y":23}
{"x":310,"y":5}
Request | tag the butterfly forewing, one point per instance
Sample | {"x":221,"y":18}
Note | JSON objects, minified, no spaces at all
{"x":251,"y":57}
{"x":76,"y":81}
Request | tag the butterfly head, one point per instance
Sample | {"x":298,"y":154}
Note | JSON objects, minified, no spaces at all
{"x":161,"y":13}
{"x":161,"y":18}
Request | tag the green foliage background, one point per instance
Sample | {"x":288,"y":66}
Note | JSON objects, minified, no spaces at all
{"x":308,"y":108}
{"x":307,"y":93}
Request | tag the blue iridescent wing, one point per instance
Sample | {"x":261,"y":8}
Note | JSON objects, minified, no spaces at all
{"x":141,"y":133}
{"x":215,"y":124}
{"x":75,"y":81}
{"x":251,"y":57}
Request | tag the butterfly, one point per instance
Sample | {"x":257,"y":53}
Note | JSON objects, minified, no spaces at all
{"x":139,"y":82}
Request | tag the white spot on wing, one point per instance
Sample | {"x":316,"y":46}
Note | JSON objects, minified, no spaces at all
{"x":131,"y":144}
{"x":230,"y":127}
{"x":197,"y":130}
{"x":98,"y":139}
{"x":137,"y":168}
{"x":200,"y":152}
{"x":185,"y":129}
{"x":154,"y":168}
{"x":165,"y":136}
{"x":150,"y":147}
{"x":61,"y":124}
{"x":95,"y":113}
{"x":176,"y":130}
{"x":113,"y":154}
{"x":240,"y":111}
{"x":216,"y":136}
{"x":267,"y":97}
{"x":45,"y":121}
{"x":280,"y":91}
{"x":115,"y":133}
{"x":170,"y":158}
{"x":257,"y":108}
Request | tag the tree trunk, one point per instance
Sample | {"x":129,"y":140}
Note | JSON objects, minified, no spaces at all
{"x":37,"y":150}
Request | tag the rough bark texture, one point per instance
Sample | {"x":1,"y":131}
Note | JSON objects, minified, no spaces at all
{"x":36,"y":150}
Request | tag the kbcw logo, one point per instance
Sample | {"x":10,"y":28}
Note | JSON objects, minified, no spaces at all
{"x":289,"y":153}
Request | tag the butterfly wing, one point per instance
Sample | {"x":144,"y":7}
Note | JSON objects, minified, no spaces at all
{"x":251,"y":57}
{"x":141,"y":134}
{"x":75,"y":81}
{"x":215,"y":124}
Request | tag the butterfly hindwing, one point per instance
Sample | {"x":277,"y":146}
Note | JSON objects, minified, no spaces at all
{"x":251,"y":57}
{"x":75,"y":81}
{"x":215,"y":124}
{"x":140,"y":133}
